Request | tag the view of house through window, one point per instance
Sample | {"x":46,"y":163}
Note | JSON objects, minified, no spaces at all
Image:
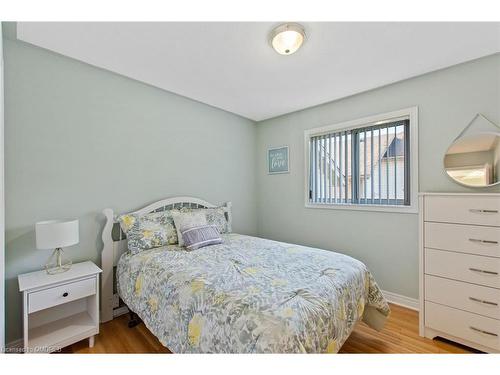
{"x":364,"y":165}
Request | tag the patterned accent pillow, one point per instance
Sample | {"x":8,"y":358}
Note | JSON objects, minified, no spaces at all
{"x":148,"y":231}
{"x":201,"y":236}
{"x":186,"y":220}
{"x":215,"y":216}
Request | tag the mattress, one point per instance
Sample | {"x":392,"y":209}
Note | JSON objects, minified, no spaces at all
{"x":250,"y":295}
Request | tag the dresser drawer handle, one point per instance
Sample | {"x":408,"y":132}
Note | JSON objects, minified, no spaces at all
{"x":479,"y":211}
{"x":483,"y":271}
{"x":65,"y":294}
{"x":483,"y":301}
{"x":483,"y":241}
{"x":483,"y":331}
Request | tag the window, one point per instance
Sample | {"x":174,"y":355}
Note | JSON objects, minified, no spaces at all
{"x":367,"y":163}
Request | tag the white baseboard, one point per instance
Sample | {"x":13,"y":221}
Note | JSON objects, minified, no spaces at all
{"x":398,"y":299}
{"x":120,"y":311}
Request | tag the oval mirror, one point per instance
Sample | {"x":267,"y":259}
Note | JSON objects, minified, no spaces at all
{"x":474,"y":160}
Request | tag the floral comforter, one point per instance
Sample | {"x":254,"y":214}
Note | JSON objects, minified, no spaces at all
{"x":250,"y":295}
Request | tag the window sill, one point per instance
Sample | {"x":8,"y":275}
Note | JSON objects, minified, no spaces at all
{"x":364,"y":207}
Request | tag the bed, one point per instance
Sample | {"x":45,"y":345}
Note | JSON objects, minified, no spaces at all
{"x":246,"y":295}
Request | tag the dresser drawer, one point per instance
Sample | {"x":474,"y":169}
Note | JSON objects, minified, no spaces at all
{"x":463,"y":209}
{"x":46,"y":298}
{"x":464,"y":296}
{"x":472,"y":327}
{"x":472,"y":239}
{"x":465,"y":267}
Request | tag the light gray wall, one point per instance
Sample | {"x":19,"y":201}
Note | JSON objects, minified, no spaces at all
{"x":79,"y":139}
{"x":386,"y":242}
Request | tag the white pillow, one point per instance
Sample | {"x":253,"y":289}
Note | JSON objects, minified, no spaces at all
{"x":187,"y":220}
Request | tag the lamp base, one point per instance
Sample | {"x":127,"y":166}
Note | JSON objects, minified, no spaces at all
{"x":57,"y":266}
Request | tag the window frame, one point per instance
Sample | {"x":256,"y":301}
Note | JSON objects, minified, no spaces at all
{"x":412,"y":114}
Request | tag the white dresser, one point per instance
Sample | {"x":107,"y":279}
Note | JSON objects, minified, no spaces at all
{"x":460,"y":268}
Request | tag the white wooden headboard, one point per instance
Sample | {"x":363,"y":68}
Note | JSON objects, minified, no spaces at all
{"x":115,"y":244}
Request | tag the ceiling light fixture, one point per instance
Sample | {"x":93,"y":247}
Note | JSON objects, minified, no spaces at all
{"x":287,"y":38}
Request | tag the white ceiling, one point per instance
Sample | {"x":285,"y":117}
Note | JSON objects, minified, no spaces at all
{"x":231,"y":65}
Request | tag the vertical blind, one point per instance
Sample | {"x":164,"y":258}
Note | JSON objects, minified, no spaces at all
{"x":368,"y":165}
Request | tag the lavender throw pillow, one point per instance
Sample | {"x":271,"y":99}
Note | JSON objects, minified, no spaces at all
{"x":201,"y":236}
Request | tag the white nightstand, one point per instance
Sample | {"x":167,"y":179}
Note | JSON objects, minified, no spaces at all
{"x":61,"y":309}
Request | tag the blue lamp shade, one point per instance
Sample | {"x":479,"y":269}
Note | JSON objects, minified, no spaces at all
{"x":54,"y":234}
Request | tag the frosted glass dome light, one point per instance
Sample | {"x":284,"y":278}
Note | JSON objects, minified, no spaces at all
{"x":287,"y":38}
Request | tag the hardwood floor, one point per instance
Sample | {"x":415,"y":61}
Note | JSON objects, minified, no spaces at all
{"x":400,"y":335}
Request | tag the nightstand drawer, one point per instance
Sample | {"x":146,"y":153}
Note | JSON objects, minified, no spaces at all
{"x":61,"y":294}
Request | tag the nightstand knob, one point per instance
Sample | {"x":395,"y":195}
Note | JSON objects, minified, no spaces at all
{"x":65,"y":294}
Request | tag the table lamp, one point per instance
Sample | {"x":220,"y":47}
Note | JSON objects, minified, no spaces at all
{"x":56,"y":234}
